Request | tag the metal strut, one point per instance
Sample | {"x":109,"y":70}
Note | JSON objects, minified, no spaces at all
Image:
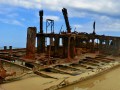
{"x":65,"y":14}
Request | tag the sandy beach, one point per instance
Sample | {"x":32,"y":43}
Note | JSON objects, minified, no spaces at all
{"x":106,"y":81}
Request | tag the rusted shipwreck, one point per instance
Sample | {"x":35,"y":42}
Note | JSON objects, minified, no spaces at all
{"x":78,"y":53}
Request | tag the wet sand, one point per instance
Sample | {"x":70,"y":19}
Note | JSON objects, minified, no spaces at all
{"x":106,"y":81}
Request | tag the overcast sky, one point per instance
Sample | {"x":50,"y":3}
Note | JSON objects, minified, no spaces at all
{"x":17,"y":15}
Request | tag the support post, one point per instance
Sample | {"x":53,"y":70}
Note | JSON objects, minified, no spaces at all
{"x":65,"y":47}
{"x":72,"y":47}
{"x":56,"y":44}
{"x":31,"y":40}
{"x":65,"y":14}
{"x":41,"y":43}
{"x":41,"y":21}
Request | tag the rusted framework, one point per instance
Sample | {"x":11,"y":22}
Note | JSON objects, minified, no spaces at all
{"x":50,"y":23}
{"x":72,"y":41}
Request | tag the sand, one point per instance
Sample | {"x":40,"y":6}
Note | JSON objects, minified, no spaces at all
{"x":107,"y":81}
{"x":33,"y":83}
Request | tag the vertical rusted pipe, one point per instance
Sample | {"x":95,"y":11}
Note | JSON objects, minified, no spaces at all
{"x":41,"y":21}
{"x":69,"y":49}
{"x":65,"y":14}
{"x":56,"y":44}
{"x":72,"y":47}
{"x":31,"y":40}
{"x":94,"y":28}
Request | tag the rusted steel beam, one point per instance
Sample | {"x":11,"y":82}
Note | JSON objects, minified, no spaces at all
{"x":31,"y":40}
{"x":65,"y":47}
{"x":41,"y":43}
{"x":72,"y":48}
{"x":38,"y":44}
{"x":94,"y":28}
{"x":69,"y":57}
{"x":65,"y":14}
{"x":41,"y":21}
{"x":41,"y":38}
{"x":50,"y":25}
{"x":56,"y":44}
{"x":93,"y":46}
